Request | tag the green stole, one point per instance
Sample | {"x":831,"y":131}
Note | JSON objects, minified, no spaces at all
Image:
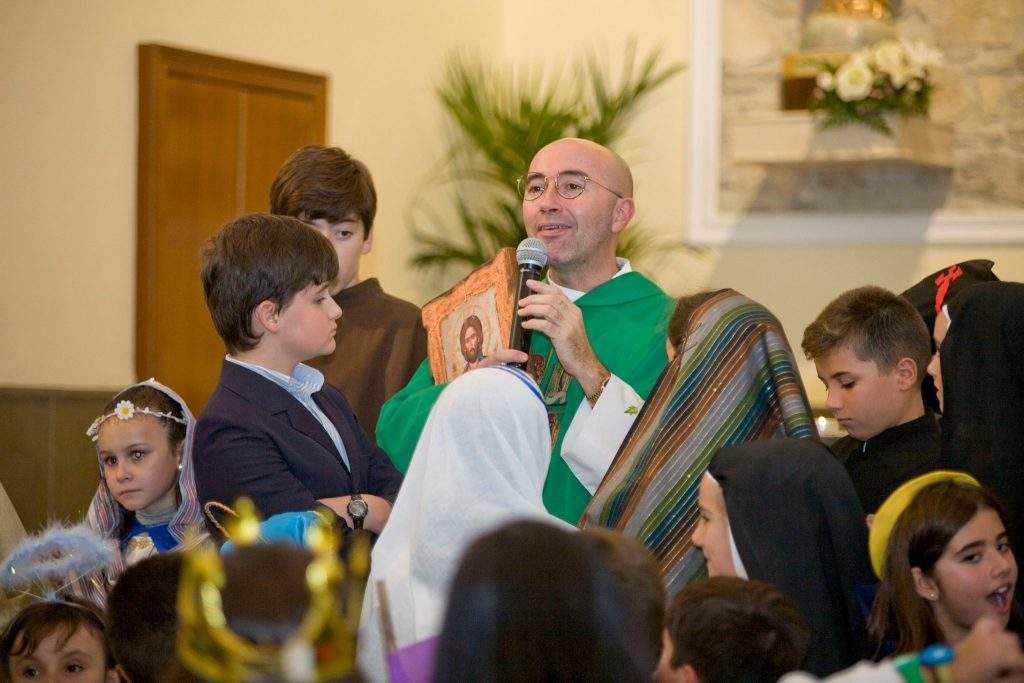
{"x":625,"y":318}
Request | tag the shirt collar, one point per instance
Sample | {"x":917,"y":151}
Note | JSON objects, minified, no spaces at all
{"x":573,"y":294}
{"x":366,"y":290}
{"x":304,"y":380}
{"x":900,"y":432}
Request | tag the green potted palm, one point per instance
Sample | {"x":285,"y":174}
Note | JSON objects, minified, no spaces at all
{"x":498,"y":119}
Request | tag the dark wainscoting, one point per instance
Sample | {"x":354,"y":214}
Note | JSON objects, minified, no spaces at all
{"x":47,"y":463}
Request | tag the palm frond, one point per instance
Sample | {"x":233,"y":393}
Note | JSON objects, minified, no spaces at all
{"x":498,"y":119}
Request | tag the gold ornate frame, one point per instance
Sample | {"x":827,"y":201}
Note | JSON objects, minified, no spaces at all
{"x":500,"y":275}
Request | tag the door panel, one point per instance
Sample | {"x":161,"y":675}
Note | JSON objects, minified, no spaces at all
{"x":212,"y":134}
{"x":273,"y":123}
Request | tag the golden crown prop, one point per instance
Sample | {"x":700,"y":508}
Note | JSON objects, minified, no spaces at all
{"x":322,"y":647}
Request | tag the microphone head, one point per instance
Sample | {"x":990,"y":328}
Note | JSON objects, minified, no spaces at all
{"x":532,"y":252}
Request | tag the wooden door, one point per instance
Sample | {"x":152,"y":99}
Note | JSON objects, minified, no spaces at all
{"x":212,"y":134}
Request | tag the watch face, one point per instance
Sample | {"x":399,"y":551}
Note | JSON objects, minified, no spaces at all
{"x":358,"y":508}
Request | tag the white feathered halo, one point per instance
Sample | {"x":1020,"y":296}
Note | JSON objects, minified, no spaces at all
{"x":51,"y":564}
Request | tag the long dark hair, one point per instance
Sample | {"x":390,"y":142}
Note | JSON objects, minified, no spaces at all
{"x":918,"y":539}
{"x":533,"y":603}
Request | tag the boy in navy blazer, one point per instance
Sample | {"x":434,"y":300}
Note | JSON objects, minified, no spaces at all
{"x":273,"y":430}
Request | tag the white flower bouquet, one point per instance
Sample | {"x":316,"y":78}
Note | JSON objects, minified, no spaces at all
{"x":888,"y":77}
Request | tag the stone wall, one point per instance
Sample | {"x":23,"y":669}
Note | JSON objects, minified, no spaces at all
{"x":980,"y":92}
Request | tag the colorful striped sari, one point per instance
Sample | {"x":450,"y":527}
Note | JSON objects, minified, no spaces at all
{"x":735,"y":380}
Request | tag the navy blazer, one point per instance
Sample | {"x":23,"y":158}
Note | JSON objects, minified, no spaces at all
{"x":255,"y":439}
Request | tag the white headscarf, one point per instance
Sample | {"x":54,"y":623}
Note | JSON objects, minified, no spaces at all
{"x":480,"y":463}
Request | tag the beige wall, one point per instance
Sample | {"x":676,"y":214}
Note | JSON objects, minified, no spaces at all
{"x":68,"y":136}
{"x":68,"y":132}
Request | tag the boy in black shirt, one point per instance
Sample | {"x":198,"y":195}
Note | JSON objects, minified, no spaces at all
{"x":870,"y":348}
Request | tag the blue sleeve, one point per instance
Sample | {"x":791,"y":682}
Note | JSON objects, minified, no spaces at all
{"x":290,"y":527}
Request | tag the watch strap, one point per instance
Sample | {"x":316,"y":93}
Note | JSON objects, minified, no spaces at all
{"x":357,"y":520}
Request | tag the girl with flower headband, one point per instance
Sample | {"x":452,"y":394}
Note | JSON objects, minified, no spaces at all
{"x":940,"y":547}
{"x":146,"y":499}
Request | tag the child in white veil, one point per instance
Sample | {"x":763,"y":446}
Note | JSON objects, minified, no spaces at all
{"x":109,"y":516}
{"x":480,"y":463}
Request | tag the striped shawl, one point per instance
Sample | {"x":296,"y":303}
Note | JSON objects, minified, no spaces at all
{"x":735,"y":380}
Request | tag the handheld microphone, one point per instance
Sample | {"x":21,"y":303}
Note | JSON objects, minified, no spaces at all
{"x":532,"y":256}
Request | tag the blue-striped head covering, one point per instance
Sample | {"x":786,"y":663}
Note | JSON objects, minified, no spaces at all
{"x":106,"y":516}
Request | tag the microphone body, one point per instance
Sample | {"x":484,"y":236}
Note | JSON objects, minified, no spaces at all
{"x":532,"y":256}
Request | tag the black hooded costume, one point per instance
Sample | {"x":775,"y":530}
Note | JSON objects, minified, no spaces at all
{"x":943,"y":287}
{"x":798,"y":524}
{"x":880,"y":464}
{"x":983,"y":393}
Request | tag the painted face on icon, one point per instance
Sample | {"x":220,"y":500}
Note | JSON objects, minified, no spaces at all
{"x":471,"y":339}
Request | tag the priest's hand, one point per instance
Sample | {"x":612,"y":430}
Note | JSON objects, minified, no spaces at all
{"x":549,"y":310}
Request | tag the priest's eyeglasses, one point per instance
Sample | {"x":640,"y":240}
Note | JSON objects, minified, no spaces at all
{"x":568,"y":184}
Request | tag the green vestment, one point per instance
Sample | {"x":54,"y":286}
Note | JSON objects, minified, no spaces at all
{"x":625,"y":318}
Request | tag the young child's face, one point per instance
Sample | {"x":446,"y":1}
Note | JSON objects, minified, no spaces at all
{"x":973,"y":578}
{"x":80,"y":659}
{"x":712,"y":532}
{"x":864,"y":400}
{"x":139,"y":464}
{"x":308,"y":323}
{"x":348,"y":237}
